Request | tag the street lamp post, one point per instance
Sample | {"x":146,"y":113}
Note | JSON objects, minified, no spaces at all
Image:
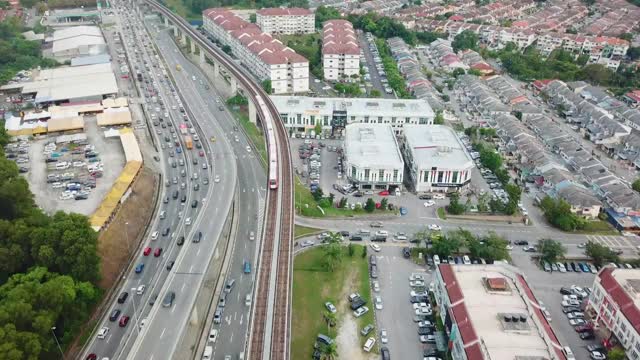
{"x":126,"y":235}
{"x":135,"y":312}
{"x":57,"y":342}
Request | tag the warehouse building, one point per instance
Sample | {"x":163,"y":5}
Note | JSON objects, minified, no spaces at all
{"x":490,"y":312}
{"x":76,"y":41}
{"x":265,"y":57}
{"x":436,"y":158}
{"x":69,"y":84}
{"x":372,"y":157}
{"x":286,"y":21}
{"x":340,"y":50}
{"x":301,"y":114}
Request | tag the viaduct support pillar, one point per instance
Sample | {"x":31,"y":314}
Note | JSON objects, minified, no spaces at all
{"x":216,"y":69}
{"x":193,"y":46}
{"x":175,"y":32}
{"x":166,"y":22}
{"x":203,"y":61}
{"x":252,"y":112}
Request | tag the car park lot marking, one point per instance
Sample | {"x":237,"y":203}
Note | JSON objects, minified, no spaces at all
{"x":619,"y":242}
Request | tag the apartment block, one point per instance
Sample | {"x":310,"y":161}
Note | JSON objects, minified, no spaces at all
{"x":264,"y":56}
{"x":340,"y":50}
{"x":286,"y":21}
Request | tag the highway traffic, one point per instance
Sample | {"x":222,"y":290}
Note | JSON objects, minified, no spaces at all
{"x":187,"y":185}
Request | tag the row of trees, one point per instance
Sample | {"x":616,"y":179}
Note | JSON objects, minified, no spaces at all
{"x":329,"y":201}
{"x":558,"y":213}
{"x":396,"y":81}
{"x":490,"y":247}
{"x":492,"y":160}
{"x":48,"y":270}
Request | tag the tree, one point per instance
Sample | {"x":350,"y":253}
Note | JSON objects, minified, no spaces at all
{"x":384,"y":203}
{"x":600,"y":253}
{"x":375,"y":93}
{"x":364,"y":252}
{"x":252,"y":18}
{"x":317,"y":194}
{"x":491,"y":247}
{"x":490,"y":159}
{"x":332,"y":256}
{"x":465,"y":40}
{"x":342,"y":203}
{"x":558,"y":213}
{"x":370,"y":205}
{"x":455,"y":207}
{"x":266,"y":85}
{"x":226,"y":49}
{"x":352,"y":249}
{"x":550,"y":250}
{"x":634,"y":53}
{"x":445,"y":245}
{"x":439,"y":118}
{"x":616,"y":353}
{"x":636,"y":185}
{"x":329,"y":352}
{"x":330,"y":319}
{"x":317,"y":128}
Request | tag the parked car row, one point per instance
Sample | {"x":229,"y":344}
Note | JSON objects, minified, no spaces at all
{"x":570,"y":266}
{"x":573,"y":298}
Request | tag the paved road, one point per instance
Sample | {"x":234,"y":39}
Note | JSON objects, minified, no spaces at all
{"x":251,"y":196}
{"x":177,"y":212}
{"x":371,"y":64}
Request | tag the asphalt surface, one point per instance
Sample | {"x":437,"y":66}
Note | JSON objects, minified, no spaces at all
{"x":251,"y":195}
{"x":376,"y":79}
{"x":154,"y":275}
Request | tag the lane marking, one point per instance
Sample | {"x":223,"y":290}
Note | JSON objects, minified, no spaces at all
{"x":162,"y":334}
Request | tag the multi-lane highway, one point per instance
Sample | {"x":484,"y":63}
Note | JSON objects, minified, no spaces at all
{"x":195,"y":186}
{"x":251,"y":194}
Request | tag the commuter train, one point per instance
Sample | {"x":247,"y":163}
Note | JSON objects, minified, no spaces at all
{"x":271,"y":143}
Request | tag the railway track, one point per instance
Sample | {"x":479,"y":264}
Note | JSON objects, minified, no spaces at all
{"x":279,"y":346}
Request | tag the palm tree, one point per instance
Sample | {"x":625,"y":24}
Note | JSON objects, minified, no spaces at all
{"x":330,"y":319}
{"x":332,"y":256}
{"x":329,"y":352}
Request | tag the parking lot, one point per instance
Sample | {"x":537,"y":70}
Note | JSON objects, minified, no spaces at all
{"x":546,"y":286}
{"x":374,"y":70}
{"x":56,"y":185}
{"x":397,"y":314}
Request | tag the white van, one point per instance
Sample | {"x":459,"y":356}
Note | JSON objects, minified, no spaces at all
{"x":208,"y":351}
{"x":436,"y":260}
{"x":369,"y":344}
{"x":466,"y":260}
{"x":569,"y":353}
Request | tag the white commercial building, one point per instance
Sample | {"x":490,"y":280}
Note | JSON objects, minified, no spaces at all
{"x":301,"y":114}
{"x":490,"y":312}
{"x":266,"y":57}
{"x":614,"y":304}
{"x":340,"y":50}
{"x":436,"y":158}
{"x":287,"y":21}
{"x":76,"y":41}
{"x":372,"y":157}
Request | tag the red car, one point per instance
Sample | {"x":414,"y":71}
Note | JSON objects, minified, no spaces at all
{"x":201,"y":153}
{"x":157,"y":252}
{"x":583,"y":328}
{"x":124,"y":320}
{"x":92,"y":356}
{"x":383,"y":193}
{"x":146,"y":251}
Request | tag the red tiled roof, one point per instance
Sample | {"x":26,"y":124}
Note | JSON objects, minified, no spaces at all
{"x":620,"y":297}
{"x":456,"y":18}
{"x":481,"y":66}
{"x":635,"y":95}
{"x":338,"y":37}
{"x":284,"y":12}
{"x":543,"y":320}
{"x":540,"y":84}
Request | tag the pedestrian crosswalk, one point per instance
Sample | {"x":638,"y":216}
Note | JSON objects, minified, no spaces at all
{"x":615,"y":242}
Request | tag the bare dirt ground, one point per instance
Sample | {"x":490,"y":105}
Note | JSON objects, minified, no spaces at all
{"x":136,"y":210}
{"x":348,"y":338}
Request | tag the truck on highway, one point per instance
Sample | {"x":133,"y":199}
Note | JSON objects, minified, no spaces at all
{"x":189,"y":142}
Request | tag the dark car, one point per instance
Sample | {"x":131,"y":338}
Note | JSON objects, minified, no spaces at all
{"x":194,"y":204}
{"x":406,"y":252}
{"x":180,"y":240}
{"x":570,"y":309}
{"x":344,"y":233}
{"x":357,"y":302}
{"x":184,"y":199}
{"x":197,"y":237}
{"x":153,"y":299}
{"x":565,"y":291}
{"x":521,"y":242}
{"x":170,"y":264}
{"x":425,"y":197}
{"x":575,"y":267}
{"x":123,"y":297}
{"x":425,"y":331}
{"x":384,"y":351}
{"x":168,"y":299}
{"x":587,"y":335}
{"x":114,"y":315}
{"x":355,"y":238}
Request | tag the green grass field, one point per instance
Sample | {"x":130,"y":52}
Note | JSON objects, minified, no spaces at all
{"x":300,"y":231}
{"x":255,"y":135}
{"x":313,"y":285}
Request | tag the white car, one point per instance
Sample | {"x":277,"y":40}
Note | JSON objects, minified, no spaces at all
{"x":375,"y":247}
{"x":582,"y":245}
{"x":577,"y":322}
{"x":360,"y":311}
{"x":597,"y":355}
{"x":509,"y":247}
{"x":216,"y":179}
{"x":414,"y":277}
{"x":416,"y":283}
{"x":213,"y":335}
{"x":102,"y":333}
{"x":429,"y":203}
{"x":378,"y":302}
{"x":248,"y":148}
{"x":376,"y":286}
{"x":140,"y":290}
{"x":154,"y":235}
{"x":187,"y":221}
{"x":383,"y":336}
{"x":435,"y":227}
